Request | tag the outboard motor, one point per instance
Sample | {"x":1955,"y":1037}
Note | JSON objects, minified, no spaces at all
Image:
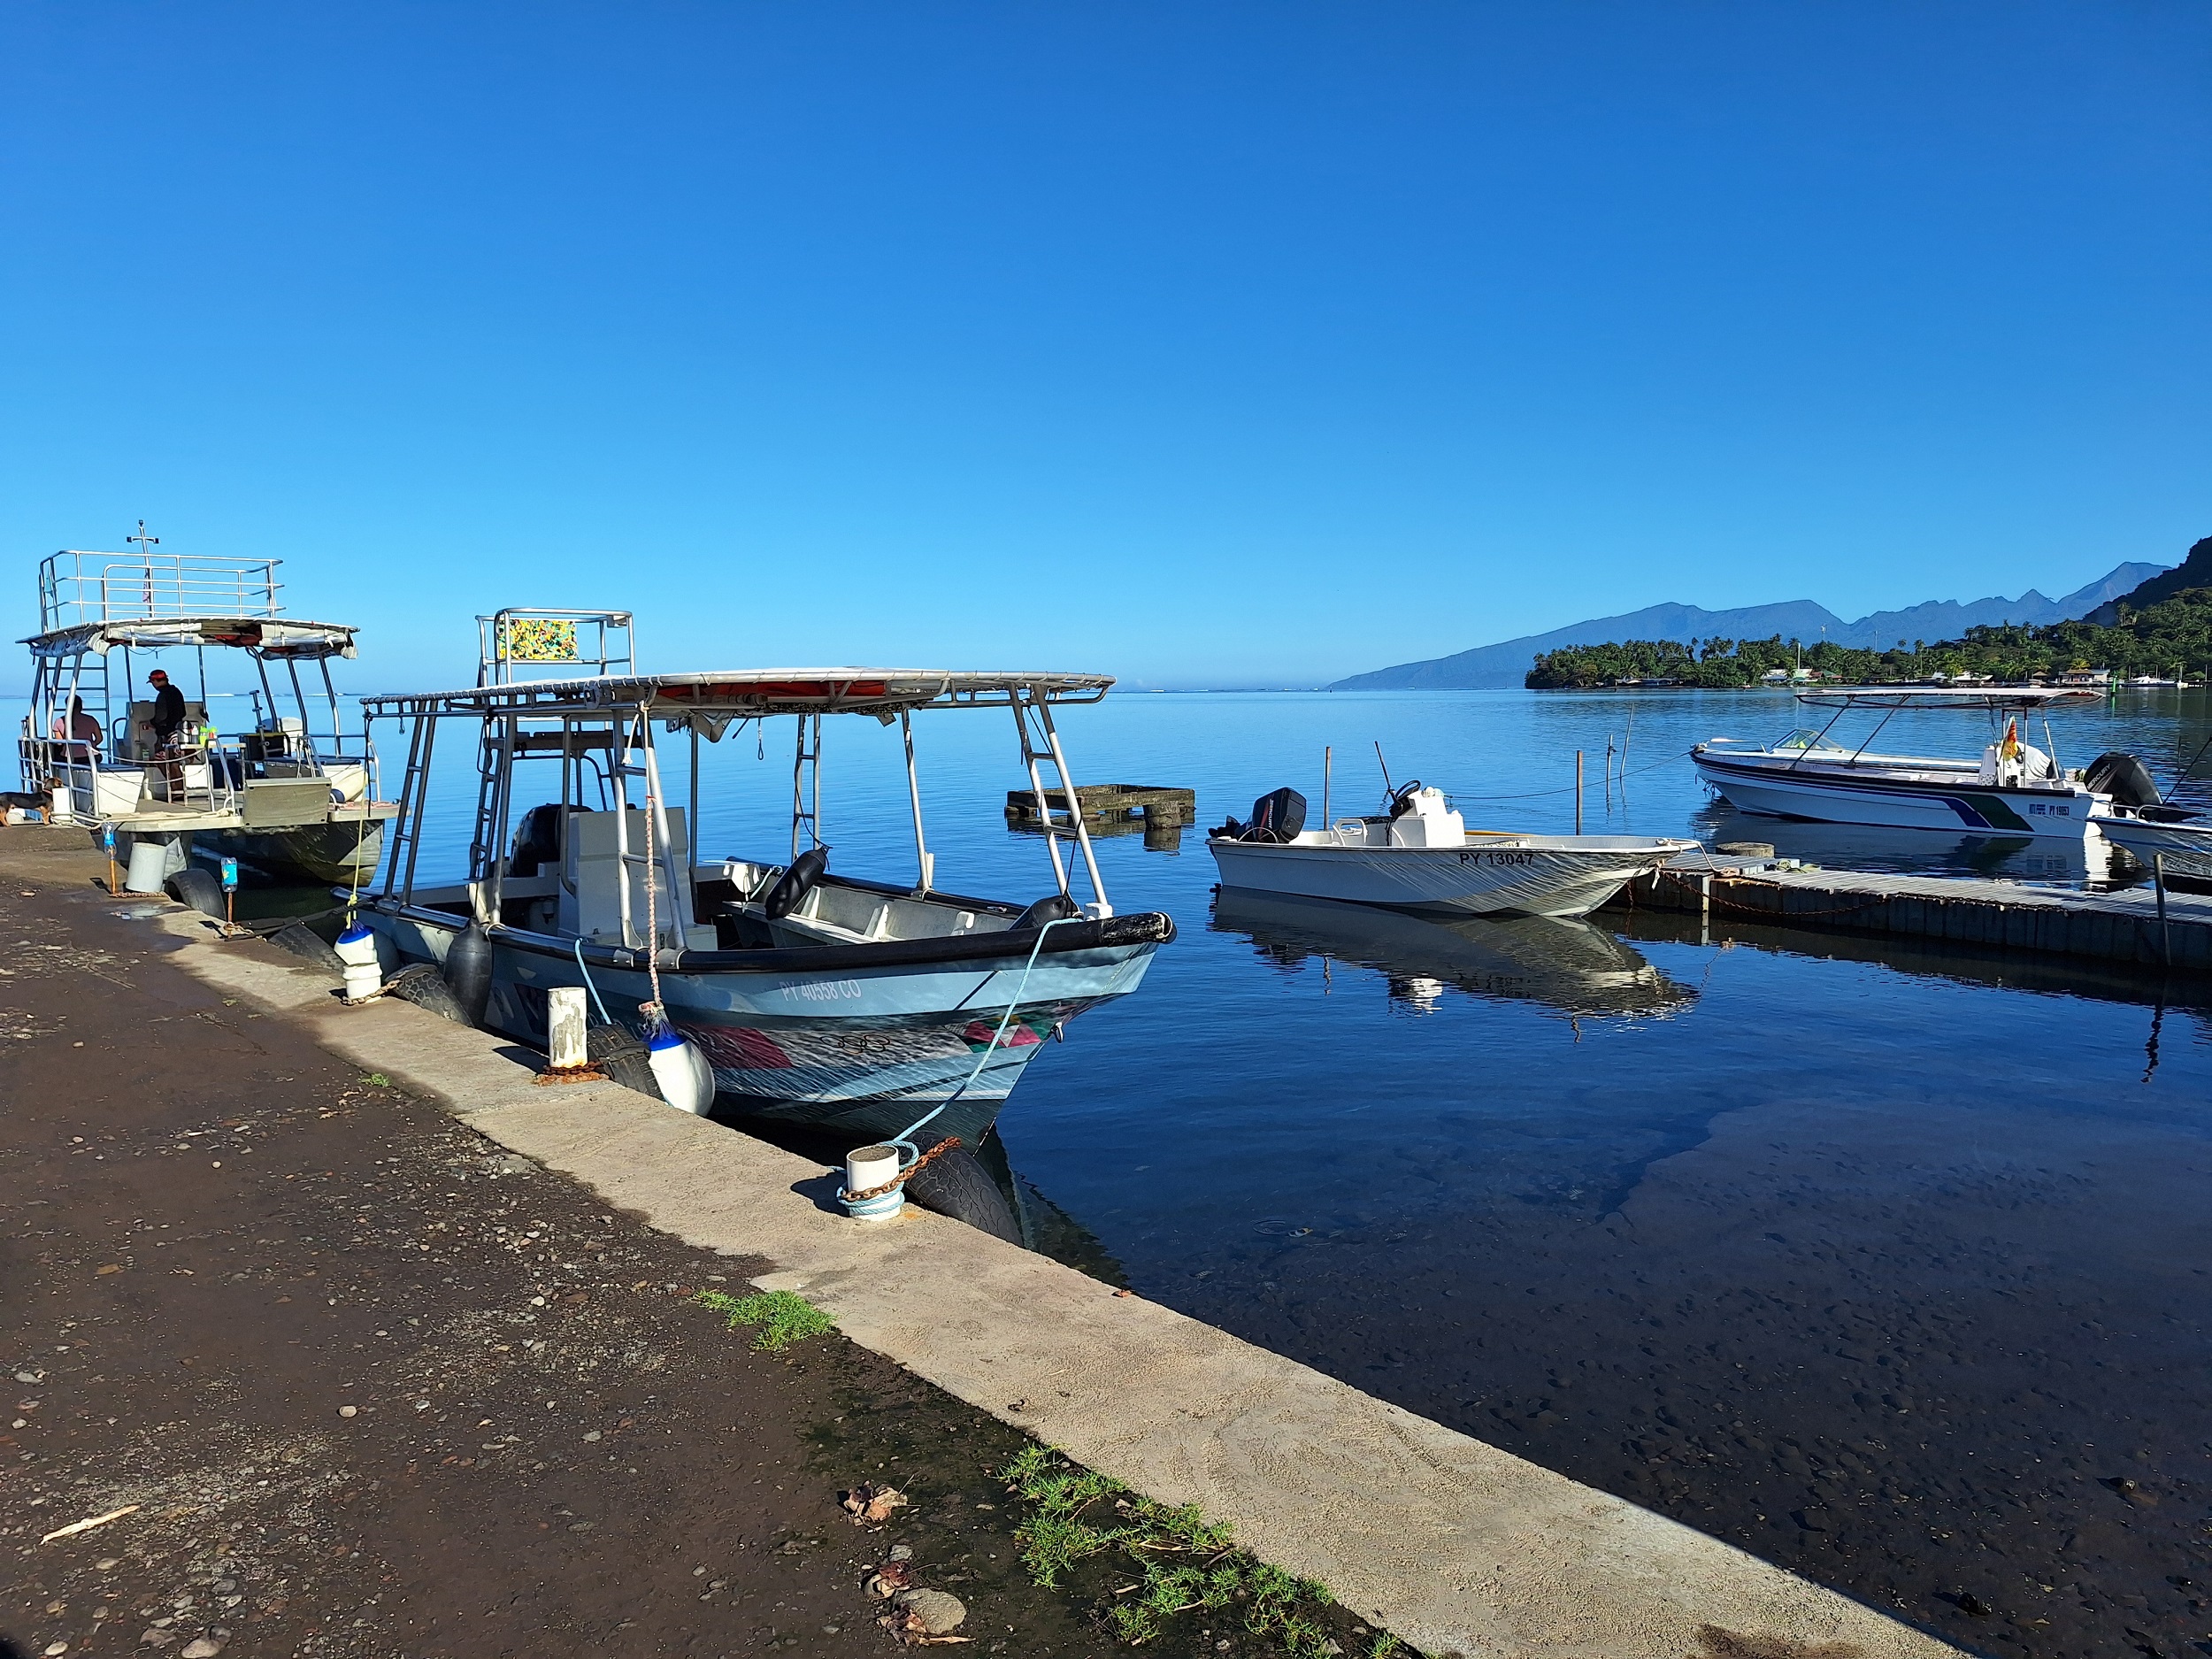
{"x":2123,"y":777}
{"x":537,"y":841}
{"x":1276,"y":816}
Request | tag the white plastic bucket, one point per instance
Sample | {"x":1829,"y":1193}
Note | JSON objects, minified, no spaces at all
{"x":153,"y":859}
{"x":149,"y":865}
{"x":364,"y":974}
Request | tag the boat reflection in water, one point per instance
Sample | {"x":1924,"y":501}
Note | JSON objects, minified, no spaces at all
{"x":1567,"y":965}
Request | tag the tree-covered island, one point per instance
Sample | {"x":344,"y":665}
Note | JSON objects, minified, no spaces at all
{"x":2164,"y":628}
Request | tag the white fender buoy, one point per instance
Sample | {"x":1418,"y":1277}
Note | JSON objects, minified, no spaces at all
{"x":356,"y":950}
{"x":686,"y":1079}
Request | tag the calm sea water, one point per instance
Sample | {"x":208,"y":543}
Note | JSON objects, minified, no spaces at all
{"x":1889,"y":1265}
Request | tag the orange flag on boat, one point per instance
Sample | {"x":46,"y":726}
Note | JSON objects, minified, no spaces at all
{"x":2010,"y":749}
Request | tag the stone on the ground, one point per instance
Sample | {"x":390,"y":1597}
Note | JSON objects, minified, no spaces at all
{"x":936,"y":1611}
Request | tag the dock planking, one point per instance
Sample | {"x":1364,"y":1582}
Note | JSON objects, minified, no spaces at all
{"x":2125,"y":925}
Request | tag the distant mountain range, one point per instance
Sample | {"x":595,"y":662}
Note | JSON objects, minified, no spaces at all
{"x":1507,"y":662}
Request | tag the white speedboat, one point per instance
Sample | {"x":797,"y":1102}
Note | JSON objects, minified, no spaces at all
{"x":2140,"y":821}
{"x":1421,"y":856}
{"x":2183,"y":838}
{"x":2013,"y":788}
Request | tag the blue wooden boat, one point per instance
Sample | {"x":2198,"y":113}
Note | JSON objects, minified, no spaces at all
{"x":849,"y":1004}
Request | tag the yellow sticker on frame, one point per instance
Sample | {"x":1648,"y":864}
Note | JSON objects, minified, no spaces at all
{"x":541,"y":639}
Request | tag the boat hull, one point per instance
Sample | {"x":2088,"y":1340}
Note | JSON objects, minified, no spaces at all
{"x":2187,"y":847}
{"x":1951,"y":807}
{"x":340,"y":852}
{"x":851,"y":1048}
{"x":1530,"y":876}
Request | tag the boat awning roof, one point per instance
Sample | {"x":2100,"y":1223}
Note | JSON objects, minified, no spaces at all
{"x":265,"y":636}
{"x":1947,"y":697}
{"x":728,"y":693}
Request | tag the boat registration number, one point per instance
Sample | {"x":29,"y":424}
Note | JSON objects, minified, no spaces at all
{"x":1497,"y":858}
{"x":823,"y":990}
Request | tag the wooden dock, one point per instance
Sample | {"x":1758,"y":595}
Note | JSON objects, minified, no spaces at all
{"x":2130,"y":925}
{"x":1106,"y":802}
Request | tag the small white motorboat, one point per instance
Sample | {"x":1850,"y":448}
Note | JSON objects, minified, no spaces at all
{"x":2183,"y":839}
{"x":1421,"y":856}
{"x":2140,"y":821}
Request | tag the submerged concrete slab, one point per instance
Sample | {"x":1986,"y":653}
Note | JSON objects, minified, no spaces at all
{"x":1455,"y":1546}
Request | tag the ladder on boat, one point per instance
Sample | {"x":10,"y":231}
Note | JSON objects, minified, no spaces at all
{"x":1040,"y":748}
{"x":806,"y":784}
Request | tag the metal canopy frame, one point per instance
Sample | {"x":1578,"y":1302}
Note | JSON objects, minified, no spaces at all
{"x":525,"y":719}
{"x":303,"y":641}
{"x":96,"y":607}
{"x":1895,"y":698}
{"x":743,"y":693}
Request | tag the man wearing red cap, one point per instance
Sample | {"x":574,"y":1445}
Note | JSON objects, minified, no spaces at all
{"x":168,"y":722}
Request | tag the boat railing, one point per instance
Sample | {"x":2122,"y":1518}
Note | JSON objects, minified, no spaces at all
{"x":76,"y":586}
{"x":207,"y":777}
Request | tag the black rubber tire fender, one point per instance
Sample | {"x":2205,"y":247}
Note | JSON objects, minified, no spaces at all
{"x":299,"y":939}
{"x":468,"y":971}
{"x":955,"y":1184}
{"x":426,"y":987}
{"x":197,"y":889}
{"x":796,"y":882}
{"x":622,"y":1057}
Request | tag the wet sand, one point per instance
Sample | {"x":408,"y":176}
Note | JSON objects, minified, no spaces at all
{"x":375,"y":1386}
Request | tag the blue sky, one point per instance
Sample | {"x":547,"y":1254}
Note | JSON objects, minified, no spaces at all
{"x":1206,"y":344}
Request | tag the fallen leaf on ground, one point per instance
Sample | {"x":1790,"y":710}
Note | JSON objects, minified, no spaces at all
{"x":872,"y":1505}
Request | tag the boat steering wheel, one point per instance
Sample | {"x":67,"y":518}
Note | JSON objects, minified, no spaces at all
{"x":1401,"y":798}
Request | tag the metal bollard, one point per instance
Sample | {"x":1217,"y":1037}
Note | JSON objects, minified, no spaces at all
{"x":567,"y":1019}
{"x":867,"y":1168}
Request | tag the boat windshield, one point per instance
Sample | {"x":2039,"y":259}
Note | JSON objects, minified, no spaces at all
{"x":1808,"y":739}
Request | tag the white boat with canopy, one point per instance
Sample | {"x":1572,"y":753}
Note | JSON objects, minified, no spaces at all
{"x":1419,"y":855}
{"x":864,"y":1007}
{"x":2013,"y":788}
{"x":285,"y":787}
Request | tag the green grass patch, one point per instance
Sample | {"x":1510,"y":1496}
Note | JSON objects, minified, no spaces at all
{"x":780,"y":1317}
{"x":1164,"y":1561}
{"x":377,"y":1079}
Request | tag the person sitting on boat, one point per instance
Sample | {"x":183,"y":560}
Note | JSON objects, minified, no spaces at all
{"x":83,"y":730}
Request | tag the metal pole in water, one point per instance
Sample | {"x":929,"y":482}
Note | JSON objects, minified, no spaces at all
{"x":2158,"y":882}
{"x":1328,"y":756}
{"x":1577,"y":792}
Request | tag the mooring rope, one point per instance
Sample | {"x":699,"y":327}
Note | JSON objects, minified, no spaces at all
{"x":904,"y":1138}
{"x":949,"y":1144}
